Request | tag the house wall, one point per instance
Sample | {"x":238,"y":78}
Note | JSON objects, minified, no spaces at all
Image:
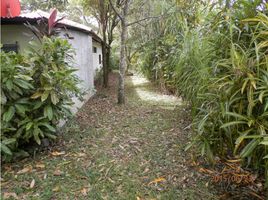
{"x":83,"y":58}
{"x":96,"y":65}
{"x":17,"y":33}
{"x":82,"y":44}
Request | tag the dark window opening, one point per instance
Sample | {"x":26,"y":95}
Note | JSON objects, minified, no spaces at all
{"x":99,"y":59}
{"x":10,"y":47}
{"x":94,"y":49}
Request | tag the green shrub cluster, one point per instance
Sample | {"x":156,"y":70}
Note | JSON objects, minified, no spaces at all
{"x":36,"y":93}
{"x":220,"y":67}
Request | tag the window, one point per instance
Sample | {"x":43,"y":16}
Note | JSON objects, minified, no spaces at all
{"x":99,"y":59}
{"x":10,"y":47}
{"x":94,"y":49}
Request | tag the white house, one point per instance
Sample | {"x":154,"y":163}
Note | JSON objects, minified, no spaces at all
{"x":87,"y":44}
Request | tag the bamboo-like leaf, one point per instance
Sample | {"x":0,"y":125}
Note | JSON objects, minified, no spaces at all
{"x":232,"y":123}
{"x":249,"y":148}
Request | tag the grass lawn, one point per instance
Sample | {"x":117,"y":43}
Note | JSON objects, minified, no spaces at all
{"x":106,"y":151}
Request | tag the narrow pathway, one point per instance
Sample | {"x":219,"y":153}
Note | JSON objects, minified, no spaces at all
{"x":135,"y":151}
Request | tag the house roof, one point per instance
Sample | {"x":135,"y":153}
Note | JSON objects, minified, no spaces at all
{"x":32,"y":17}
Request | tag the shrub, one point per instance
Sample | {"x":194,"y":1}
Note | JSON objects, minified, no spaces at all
{"x":36,"y":93}
{"x":220,"y":68}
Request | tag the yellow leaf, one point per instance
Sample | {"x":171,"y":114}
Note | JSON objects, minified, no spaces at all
{"x":32,"y":183}
{"x":36,"y":95}
{"x":25,"y":170}
{"x":157,"y":180}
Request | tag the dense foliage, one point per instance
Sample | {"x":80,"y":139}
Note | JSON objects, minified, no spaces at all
{"x":215,"y":57}
{"x":36,"y":93}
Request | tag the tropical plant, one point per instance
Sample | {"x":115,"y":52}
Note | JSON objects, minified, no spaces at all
{"x":37,"y":90}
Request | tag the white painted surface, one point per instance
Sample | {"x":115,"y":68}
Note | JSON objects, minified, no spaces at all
{"x":96,"y":64}
{"x":83,"y":58}
{"x":20,"y":33}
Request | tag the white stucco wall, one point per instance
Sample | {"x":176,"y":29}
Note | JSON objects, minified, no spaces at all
{"x":96,"y":65}
{"x":17,"y":33}
{"x":82,"y":44}
{"x":83,"y":59}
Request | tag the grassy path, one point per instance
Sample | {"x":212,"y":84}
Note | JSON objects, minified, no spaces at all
{"x":108,"y":151}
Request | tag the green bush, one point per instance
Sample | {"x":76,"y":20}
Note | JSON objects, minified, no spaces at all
{"x":36,"y":93}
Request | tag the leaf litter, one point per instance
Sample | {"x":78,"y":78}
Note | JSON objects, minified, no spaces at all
{"x":134,"y":151}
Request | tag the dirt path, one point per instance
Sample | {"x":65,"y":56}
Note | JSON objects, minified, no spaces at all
{"x":108,"y":151}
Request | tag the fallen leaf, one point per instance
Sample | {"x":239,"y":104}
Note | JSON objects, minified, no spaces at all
{"x":7,"y":195}
{"x":25,"y":170}
{"x":57,"y":172}
{"x":81,"y":154}
{"x":56,"y":189}
{"x":84,"y":191}
{"x":32,"y":183}
{"x":157,"y":180}
{"x":207,"y":184}
{"x":45,"y":176}
{"x":138,"y":198}
{"x":40,"y":165}
{"x":56,"y":153}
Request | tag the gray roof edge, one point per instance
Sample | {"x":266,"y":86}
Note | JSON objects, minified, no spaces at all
{"x":34,"y":16}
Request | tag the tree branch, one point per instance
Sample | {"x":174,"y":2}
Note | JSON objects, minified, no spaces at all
{"x":140,"y":20}
{"x":150,"y":17}
{"x":114,"y":9}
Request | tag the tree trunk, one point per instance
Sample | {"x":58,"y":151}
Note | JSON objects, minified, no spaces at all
{"x":123,"y":61}
{"x":104,"y":42}
{"x":108,"y":59}
{"x":105,"y":61}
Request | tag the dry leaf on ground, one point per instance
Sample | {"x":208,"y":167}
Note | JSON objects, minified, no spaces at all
{"x":25,"y":170}
{"x":84,"y":191}
{"x":57,"y":153}
{"x":57,"y":172}
{"x":8,"y":195}
{"x":32,"y":184}
{"x":157,"y":180}
{"x":40,"y":165}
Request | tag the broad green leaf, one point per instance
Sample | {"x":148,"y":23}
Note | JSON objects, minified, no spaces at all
{"x":29,"y":125}
{"x":9,"y":141}
{"x":5,"y":149}
{"x":20,"y":108}
{"x":36,"y":135}
{"x":23,"y":84}
{"x":48,"y":112}
{"x":9,"y":114}
{"x":54,"y":98}
{"x":45,"y":95}
{"x":51,"y":128}
{"x":9,"y":84}
{"x":36,"y":95}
